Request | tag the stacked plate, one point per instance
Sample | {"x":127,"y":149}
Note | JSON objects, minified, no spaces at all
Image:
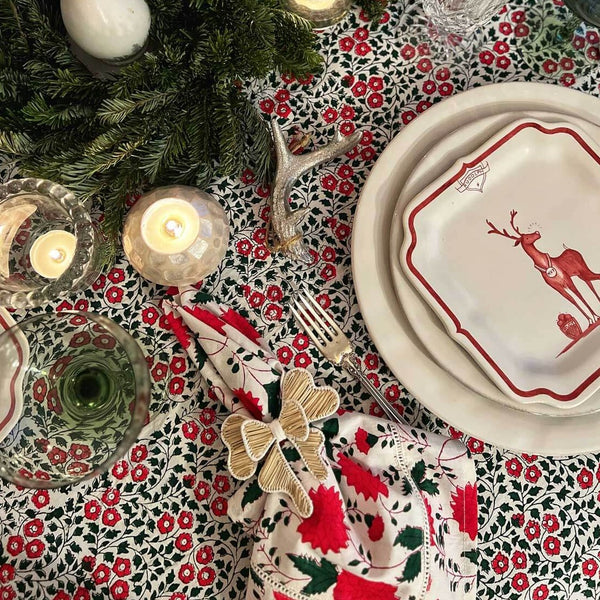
{"x":476,"y":262}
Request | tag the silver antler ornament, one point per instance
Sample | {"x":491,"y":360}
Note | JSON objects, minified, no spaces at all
{"x":284,"y":221}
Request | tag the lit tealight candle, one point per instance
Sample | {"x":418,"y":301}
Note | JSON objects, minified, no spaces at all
{"x":52,"y":253}
{"x":170,"y":226}
{"x":323,"y":13}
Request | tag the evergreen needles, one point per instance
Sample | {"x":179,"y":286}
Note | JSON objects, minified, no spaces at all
{"x":177,"y":115}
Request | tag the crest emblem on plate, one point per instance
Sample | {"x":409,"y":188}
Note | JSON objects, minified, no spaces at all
{"x":474,"y":178}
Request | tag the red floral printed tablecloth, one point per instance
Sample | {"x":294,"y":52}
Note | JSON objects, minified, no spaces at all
{"x":155,"y":525}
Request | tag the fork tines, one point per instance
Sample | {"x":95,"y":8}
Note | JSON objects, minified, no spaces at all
{"x":318,"y":324}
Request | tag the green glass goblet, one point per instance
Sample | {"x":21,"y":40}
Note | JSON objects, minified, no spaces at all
{"x":76,"y":393}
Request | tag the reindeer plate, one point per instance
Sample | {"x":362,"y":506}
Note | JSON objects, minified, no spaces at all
{"x":503,"y":247}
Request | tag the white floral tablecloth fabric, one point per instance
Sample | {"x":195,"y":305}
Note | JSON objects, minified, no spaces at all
{"x":156,"y":525}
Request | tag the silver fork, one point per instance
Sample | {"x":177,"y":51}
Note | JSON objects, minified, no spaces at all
{"x":335,"y":346}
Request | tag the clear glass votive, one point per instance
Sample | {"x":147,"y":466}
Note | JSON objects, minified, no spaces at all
{"x":49,"y":246}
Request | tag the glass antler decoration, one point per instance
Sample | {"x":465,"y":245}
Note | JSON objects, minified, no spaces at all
{"x":285,"y":222}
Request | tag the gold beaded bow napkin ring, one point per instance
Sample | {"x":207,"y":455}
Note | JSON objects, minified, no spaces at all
{"x":250,"y":440}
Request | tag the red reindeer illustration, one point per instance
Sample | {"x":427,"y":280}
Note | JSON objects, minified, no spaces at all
{"x":557,"y":271}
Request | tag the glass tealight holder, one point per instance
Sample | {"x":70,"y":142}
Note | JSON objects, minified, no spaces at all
{"x":176,"y":235}
{"x":49,"y":246}
{"x":321,"y":13}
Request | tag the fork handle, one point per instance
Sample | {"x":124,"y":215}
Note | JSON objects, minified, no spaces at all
{"x":349,"y":362}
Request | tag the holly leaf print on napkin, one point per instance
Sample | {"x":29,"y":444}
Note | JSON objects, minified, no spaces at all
{"x":410,"y":537}
{"x":427,"y":485}
{"x":322,"y":574}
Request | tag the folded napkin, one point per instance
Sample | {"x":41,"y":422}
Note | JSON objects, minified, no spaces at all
{"x":340,"y":505}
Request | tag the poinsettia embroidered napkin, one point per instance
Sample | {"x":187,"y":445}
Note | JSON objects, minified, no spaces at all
{"x":392,"y":513}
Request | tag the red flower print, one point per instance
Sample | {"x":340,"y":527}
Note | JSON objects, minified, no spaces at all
{"x":149,"y":315}
{"x":361,"y":479}
{"x":99,"y":283}
{"x":186,"y":573}
{"x":300,"y":342}
{"x":375,"y":530}
{"x":532,"y":530}
{"x":61,"y":595}
{"x":273,"y":312}
{"x":114,"y":294}
{"x":346,"y":44}
{"x":120,"y":469}
{"x":446,"y":88}
{"x":359,"y":89}
{"x":178,"y":365}
{"x":486,"y":57}
{"x":329,"y":182}
{"x":520,"y":582}
{"x":101,"y":574}
{"x":328,"y":272}
{"x":176,"y":386}
{"x":14,"y":545}
{"x":325,"y":528}
{"x":464,"y":509}
{"x":540,"y":592}
{"x":122,"y":567}
{"x":371,"y":361}
{"x":330,"y":115}
{"x":111,"y":517}
{"x":238,"y":322}
{"x":119,"y":590}
{"x":346,"y":128}
{"x":302,"y":360}
{"x":282,"y":95}
{"x":423,"y":49}
{"x":116,"y":275}
{"x":514,"y":467}
{"x":139,"y":453}
{"x":183,"y":542}
{"x":585,"y":479}
{"x":362,"y":49}
{"x":407,"y":52}
{"x":500,"y":563}
{"x":529,"y":457}
{"x":244,"y":247}
{"x":159,"y":372}
{"x":362,"y":440}
{"x":503,"y":62}
{"x":40,"y":498}
{"x":250,"y":402}
{"x":283,"y":110}
{"x":375,"y":100}
{"x":81,"y":594}
{"x":111,"y":497}
{"x":519,"y":560}
{"x":550,"y":522}
{"x":442,"y":74}
{"x":248,"y":177}
{"x":519,"y":519}
{"x":204,"y":555}
{"x":7,"y":573}
{"x":39,"y":389}
{"x":593,"y":54}
{"x":284,"y":355}
{"x":207,"y":416}
{"x":347,"y":113}
{"x":408,"y":116}
{"x":424,"y":65}
{"x":532,"y":473}
{"x":177,"y":596}
{"x":505,"y":28}
{"x":7,"y":593}
{"x":429,"y":86}
{"x":550,"y":66}
{"x":274,"y":293}
{"x":185,"y":520}
{"x":80,"y":451}
{"x":206,"y":576}
{"x":78,"y":468}
{"x":221,"y":484}
{"x":190,"y":430}
{"x":552,"y":545}
{"x":267,"y":105}
{"x":361,"y":34}
{"x":280,"y":596}
{"x":219,"y":506}
{"x":64,"y":305}
{"x":208,"y":436}
{"x":475,"y":446}
{"x":423,"y":105}
{"x":353,"y":587}
{"x":34,"y":548}
{"x":166,"y":523}
{"x":589,"y":567}
{"x":521,"y":30}
{"x":34,"y":528}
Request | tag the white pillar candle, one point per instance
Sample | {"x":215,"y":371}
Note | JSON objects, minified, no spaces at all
{"x":111,"y":30}
{"x":52,"y":253}
{"x":170,"y":226}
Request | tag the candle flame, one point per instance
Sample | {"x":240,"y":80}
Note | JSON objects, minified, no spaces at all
{"x":57,"y":255}
{"x":173,"y":228}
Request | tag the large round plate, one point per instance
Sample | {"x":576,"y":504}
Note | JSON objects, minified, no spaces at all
{"x":421,"y":317}
{"x":439,"y":391}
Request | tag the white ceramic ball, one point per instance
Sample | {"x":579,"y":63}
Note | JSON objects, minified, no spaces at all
{"x":111,"y":30}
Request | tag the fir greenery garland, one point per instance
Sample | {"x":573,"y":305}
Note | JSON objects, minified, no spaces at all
{"x":179,"y":114}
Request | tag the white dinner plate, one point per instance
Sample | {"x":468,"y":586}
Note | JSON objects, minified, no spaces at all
{"x":502,"y":245}
{"x":423,"y":377}
{"x":421,"y":317}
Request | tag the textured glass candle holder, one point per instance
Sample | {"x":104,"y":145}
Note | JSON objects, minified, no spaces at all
{"x":176,"y":235}
{"x":29,"y":209}
{"x":321,"y":13}
{"x":79,"y":387}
